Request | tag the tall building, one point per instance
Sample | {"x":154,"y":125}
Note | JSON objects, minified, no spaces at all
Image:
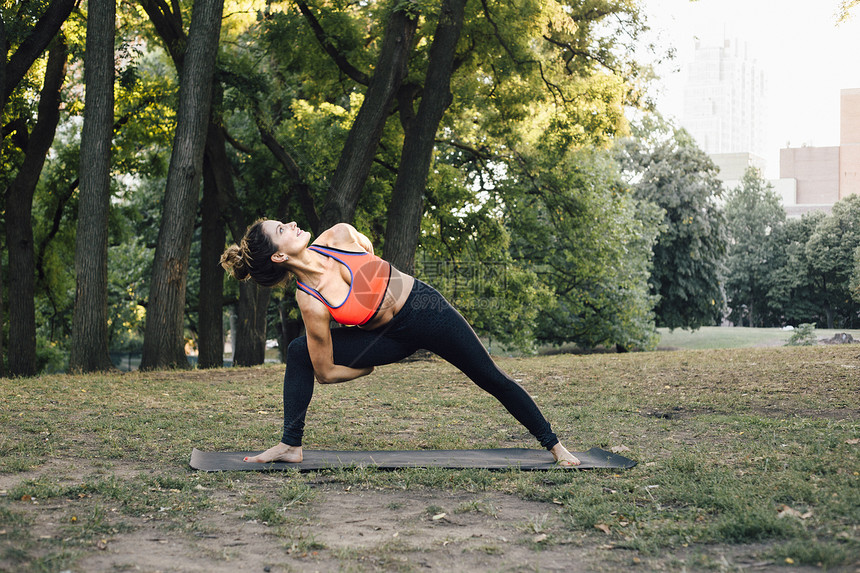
{"x":724,"y":100}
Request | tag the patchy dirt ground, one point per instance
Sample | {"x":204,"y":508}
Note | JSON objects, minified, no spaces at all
{"x":190,"y":521}
{"x":350,"y":528}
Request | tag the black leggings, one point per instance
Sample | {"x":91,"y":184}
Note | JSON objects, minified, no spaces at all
{"x":426,"y":321}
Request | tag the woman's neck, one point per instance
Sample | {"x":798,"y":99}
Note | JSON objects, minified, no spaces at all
{"x":309,"y":267}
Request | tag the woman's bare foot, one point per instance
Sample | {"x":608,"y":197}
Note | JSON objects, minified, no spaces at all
{"x":563,"y":457}
{"x":280,"y":453}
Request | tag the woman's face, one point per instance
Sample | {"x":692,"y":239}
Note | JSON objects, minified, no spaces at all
{"x":288,"y":239}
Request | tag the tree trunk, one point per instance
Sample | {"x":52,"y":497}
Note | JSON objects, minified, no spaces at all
{"x":249,"y":334}
{"x":407,"y":200}
{"x":19,"y":224}
{"x":3,"y":50}
{"x":2,"y":323}
{"x":290,"y":329}
{"x":210,"y":314}
{"x":89,"y":326}
{"x":363,"y":139}
{"x":163,"y":344}
{"x":249,"y":337}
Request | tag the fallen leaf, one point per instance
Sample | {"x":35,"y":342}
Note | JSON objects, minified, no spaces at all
{"x":439,"y":516}
{"x":603,"y":527}
{"x":619,"y":449}
{"x":786,"y":511}
{"x":539,"y":538}
{"x":853,"y":441}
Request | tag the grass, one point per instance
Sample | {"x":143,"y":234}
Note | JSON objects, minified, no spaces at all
{"x":715,"y":337}
{"x":740,"y":447}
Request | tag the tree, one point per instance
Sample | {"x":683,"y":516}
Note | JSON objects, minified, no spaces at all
{"x":19,"y":205}
{"x":361,"y":144}
{"x":669,"y":170}
{"x":753,"y":212}
{"x":89,"y":331}
{"x":792,"y":295}
{"x":164,"y":336}
{"x":855,"y":277}
{"x":845,"y":7}
{"x":590,"y":241}
{"x":830,"y":251}
{"x":520,"y":70}
{"x":407,"y":199}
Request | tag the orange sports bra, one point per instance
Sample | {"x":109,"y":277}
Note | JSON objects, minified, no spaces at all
{"x":369,"y":276}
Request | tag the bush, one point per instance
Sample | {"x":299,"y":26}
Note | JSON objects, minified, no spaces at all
{"x":803,"y":335}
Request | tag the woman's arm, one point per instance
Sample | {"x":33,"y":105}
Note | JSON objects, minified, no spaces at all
{"x":316,"y":319}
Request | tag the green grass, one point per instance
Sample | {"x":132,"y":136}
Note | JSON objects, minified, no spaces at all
{"x":726,"y":440}
{"x":714,"y":337}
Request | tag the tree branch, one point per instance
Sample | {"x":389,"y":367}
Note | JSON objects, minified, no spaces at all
{"x":168,"y":25}
{"x":236,"y":144}
{"x":292,"y":168}
{"x":34,"y":45}
{"x":553,"y":89}
{"x":577,"y":52}
{"x":329,"y":48}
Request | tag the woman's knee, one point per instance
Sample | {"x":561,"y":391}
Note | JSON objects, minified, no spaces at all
{"x":298,"y":349}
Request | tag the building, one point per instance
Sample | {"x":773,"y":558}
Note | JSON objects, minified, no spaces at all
{"x":814,"y":178}
{"x":849,"y":143}
{"x":724,"y":100}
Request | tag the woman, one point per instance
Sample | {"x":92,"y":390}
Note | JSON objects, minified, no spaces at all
{"x":339,"y":277}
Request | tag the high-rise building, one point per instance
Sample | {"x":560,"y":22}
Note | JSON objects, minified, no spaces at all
{"x":724,"y":100}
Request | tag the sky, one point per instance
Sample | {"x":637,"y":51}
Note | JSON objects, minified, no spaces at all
{"x":805,"y":56}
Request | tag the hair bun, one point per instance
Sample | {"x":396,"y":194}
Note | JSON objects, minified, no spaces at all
{"x":233,"y":261}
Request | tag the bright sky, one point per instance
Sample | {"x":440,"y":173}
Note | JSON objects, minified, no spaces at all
{"x":806,"y":58}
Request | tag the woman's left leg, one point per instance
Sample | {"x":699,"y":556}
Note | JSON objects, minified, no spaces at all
{"x":433,"y":324}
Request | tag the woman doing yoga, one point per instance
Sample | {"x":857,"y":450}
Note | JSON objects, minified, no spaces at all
{"x":339,"y":277}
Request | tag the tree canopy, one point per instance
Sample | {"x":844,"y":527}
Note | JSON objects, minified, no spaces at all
{"x":483,"y":145}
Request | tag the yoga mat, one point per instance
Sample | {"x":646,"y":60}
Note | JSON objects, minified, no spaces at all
{"x":495,"y":459}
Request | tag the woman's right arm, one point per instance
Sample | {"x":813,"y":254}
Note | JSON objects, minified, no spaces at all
{"x":317,"y":318}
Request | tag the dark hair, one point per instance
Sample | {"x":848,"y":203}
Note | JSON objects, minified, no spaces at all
{"x":252,"y":257}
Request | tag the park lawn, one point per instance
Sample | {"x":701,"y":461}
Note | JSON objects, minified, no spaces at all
{"x":714,"y":337}
{"x":747,"y":458}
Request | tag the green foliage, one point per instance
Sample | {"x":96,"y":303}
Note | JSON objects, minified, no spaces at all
{"x":803,"y":335}
{"x":813,"y":277}
{"x":590,"y":241}
{"x":464,"y":254}
{"x":753,"y":212}
{"x":532,"y":77}
{"x":855,"y":277}
{"x":830,"y":250}
{"x":668,"y":170}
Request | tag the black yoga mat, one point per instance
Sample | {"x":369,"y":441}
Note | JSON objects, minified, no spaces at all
{"x":495,"y":459}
